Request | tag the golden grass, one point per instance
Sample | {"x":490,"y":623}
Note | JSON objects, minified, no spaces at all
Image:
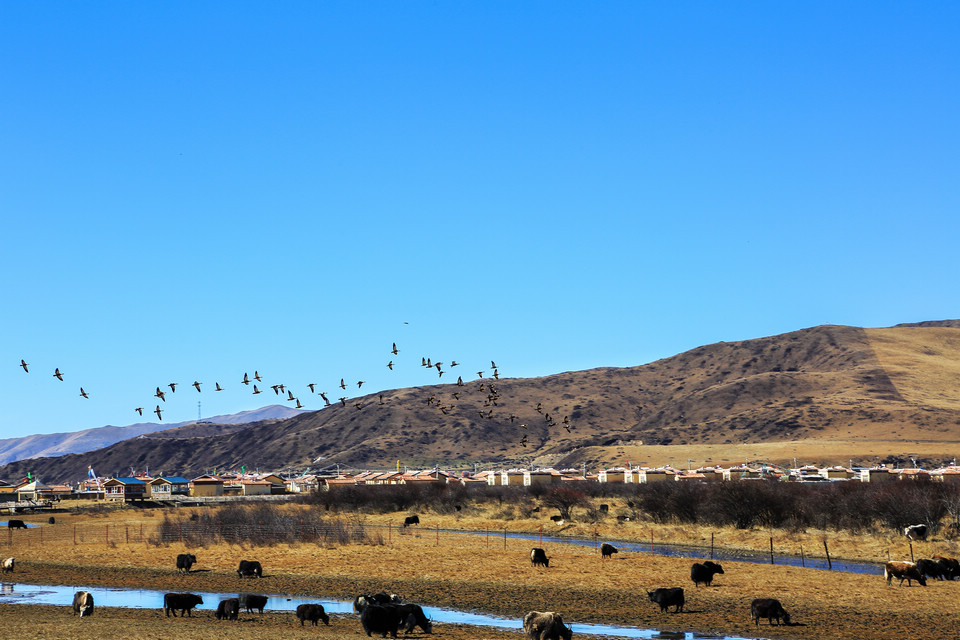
{"x":470,"y":572}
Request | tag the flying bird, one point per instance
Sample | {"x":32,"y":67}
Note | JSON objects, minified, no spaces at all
{"x":246,"y":379}
{"x":479,"y":374}
{"x":438,"y":365}
{"x":390,"y":365}
{"x":454,"y":363}
{"x":381,"y":399}
{"x":539,"y":407}
{"x":173,"y":386}
{"x":360,"y":383}
{"x":23,"y":363}
{"x":299,"y":406}
{"x":219,"y":388}
{"x":358,"y":405}
{"x":496,"y":374}
{"x":459,"y":381}
{"x":394,"y":351}
{"x":161,"y":394}
{"x":255,"y":390}
{"x":523,"y":440}
{"x":290,"y":397}
{"x":158,"y":411}
{"x":456,"y":395}
{"x":139,"y":410}
{"x":58,"y":375}
{"x":343,"y":400}
{"x":343,"y":385}
{"x":493,"y":365}
{"x":512,"y":417}
{"x":282,"y":388}
{"x":423,"y":362}
{"x":256,"y":376}
{"x":311,"y":386}
{"x":276,"y":389}
{"x":83,"y":393}
{"x":324,"y":396}
{"x":197,"y":385}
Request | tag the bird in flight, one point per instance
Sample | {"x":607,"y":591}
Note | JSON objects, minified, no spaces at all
{"x":173,"y":386}
{"x":456,"y":395}
{"x":83,"y":393}
{"x":246,"y":379}
{"x":311,"y":386}
{"x":360,"y":383}
{"x":158,"y":411}
{"x":256,"y":376}
{"x":381,"y":399}
{"x":390,"y":365}
{"x":539,"y":407}
{"x":459,"y":381}
{"x":358,"y":405}
{"x":58,"y":375}
{"x":160,"y":394}
{"x":299,"y":406}
{"x":343,"y":400}
{"x":496,"y":374}
{"x":23,"y":363}
{"x":197,"y":385}
{"x":479,"y":374}
{"x":324,"y":396}
{"x":394,"y":351}
{"x":290,"y":397}
{"x":255,"y":390}
{"x":276,"y":389}
{"x":343,"y":385}
{"x":523,"y":440}
{"x":219,"y":388}
{"x":493,"y":365}
{"x":454,"y":363}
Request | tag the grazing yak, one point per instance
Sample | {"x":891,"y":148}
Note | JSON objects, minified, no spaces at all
{"x":413,"y":616}
{"x":949,"y":567}
{"x":16,"y":524}
{"x":7,"y":565}
{"x":539,"y":557}
{"x":250,"y":568}
{"x":182,"y":602}
{"x":185,"y":561}
{"x":704,"y":571}
{"x":930,"y":568}
{"x":83,"y":603}
{"x":228,"y":609}
{"x":382,"y":619}
{"x":313,"y":613}
{"x":251,"y":601}
{"x":411,"y":520}
{"x":670,"y":597}
{"x":768,"y":608}
{"x":905,"y":571}
{"x":916,"y":532}
{"x":607,"y":550}
{"x":545,"y":625}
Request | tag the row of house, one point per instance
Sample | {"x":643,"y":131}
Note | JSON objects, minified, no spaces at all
{"x":166,"y":487}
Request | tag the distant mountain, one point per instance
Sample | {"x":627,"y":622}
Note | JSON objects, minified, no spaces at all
{"x":58,"y":444}
{"x":825,"y":383}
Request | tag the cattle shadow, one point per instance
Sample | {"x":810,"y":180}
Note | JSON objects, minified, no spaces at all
{"x":192,"y":571}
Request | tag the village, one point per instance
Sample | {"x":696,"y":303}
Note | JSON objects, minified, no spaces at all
{"x":32,"y":494}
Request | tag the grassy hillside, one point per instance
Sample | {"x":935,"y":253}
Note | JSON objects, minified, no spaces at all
{"x":880,"y":391}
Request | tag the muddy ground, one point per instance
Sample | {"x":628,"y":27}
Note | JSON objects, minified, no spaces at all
{"x":468,"y":573}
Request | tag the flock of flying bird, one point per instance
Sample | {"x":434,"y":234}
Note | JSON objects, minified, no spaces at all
{"x":487,"y":386}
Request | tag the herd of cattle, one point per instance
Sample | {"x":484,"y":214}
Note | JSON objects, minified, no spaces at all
{"x":385,"y":613}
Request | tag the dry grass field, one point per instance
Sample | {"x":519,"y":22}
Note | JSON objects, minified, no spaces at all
{"x":472,"y":573}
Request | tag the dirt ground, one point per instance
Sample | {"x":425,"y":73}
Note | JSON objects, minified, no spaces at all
{"x":463,"y":572}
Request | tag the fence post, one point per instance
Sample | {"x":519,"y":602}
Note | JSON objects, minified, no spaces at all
{"x":595,"y":534}
{"x":541,"y":536}
{"x":711,"y":545}
{"x":180,"y":531}
{"x":438,"y":534}
{"x":141,"y":532}
{"x":389,"y":532}
{"x":488,"y":536}
{"x":74,"y":534}
{"x":126,"y":528}
{"x":802,"y":563}
{"x":107,"y":534}
{"x":829,"y":564}
{"x":504,"y":538}
{"x":911,"y":552}
{"x":771,"y":549}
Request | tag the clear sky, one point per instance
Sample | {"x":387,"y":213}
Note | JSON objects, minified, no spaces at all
{"x":195,"y":190}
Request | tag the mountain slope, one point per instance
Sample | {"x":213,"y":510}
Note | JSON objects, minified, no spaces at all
{"x":58,"y":444}
{"x":826,"y":382}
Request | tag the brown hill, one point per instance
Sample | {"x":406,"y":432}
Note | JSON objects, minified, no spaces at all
{"x":826,"y":383}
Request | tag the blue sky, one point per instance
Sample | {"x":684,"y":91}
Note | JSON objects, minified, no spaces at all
{"x":191,"y":191}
